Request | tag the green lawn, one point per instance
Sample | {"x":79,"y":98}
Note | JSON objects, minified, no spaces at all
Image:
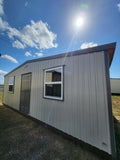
{"x":24,"y":139}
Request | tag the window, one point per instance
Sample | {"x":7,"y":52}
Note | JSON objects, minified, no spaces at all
{"x":53,"y":83}
{"x":11,"y":84}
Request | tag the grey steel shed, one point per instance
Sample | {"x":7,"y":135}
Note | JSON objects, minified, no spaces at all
{"x":115,"y":85}
{"x":70,"y":92}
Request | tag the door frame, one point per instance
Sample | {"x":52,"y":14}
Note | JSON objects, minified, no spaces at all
{"x":21,"y":89}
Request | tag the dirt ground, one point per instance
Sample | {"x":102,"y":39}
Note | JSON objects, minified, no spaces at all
{"x":24,"y":139}
{"x":116,"y":114}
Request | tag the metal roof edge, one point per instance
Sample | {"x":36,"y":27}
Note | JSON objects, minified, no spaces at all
{"x":104,"y":47}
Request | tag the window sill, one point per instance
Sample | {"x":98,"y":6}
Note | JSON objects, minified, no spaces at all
{"x":53,"y":98}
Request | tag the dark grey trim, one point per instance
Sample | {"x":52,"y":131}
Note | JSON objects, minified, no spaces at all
{"x":43,"y":85}
{"x":111,"y":124}
{"x":30,"y":92}
{"x":62,"y":100}
{"x":20,"y":91}
{"x":107,"y":47}
{"x":53,"y":67}
{"x":26,"y":73}
{"x":30,"y":89}
{"x":12,"y":92}
{"x":63,"y":82}
{"x":14,"y":84}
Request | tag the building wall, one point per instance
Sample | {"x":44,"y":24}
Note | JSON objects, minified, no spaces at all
{"x":115,"y":85}
{"x":12,"y":99}
{"x":84,"y":111}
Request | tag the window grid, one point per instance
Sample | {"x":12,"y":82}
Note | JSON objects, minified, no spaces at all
{"x":11,"y":85}
{"x":58,"y":82}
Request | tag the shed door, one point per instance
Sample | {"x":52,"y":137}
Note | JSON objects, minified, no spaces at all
{"x":25,"y":93}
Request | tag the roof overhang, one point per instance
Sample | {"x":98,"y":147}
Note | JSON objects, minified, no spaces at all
{"x":111,"y":52}
{"x":109,"y":48}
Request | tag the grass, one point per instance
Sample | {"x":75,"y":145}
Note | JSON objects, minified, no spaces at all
{"x":116,"y":114}
{"x":24,"y":139}
{"x":1,"y":97}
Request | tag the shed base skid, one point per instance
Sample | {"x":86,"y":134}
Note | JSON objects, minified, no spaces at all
{"x":65,"y":135}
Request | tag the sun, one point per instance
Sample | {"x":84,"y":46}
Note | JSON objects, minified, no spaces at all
{"x":79,"y":22}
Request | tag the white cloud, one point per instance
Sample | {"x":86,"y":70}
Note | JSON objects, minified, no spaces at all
{"x":26,"y":3}
{"x":118,"y":6}
{"x":35,"y":35}
{"x":3,"y":25}
{"x":88,"y":45}
{"x":39,"y":54}
{"x":18,"y":44}
{"x":1,"y":7}
{"x":3,"y":72}
{"x":10,"y":58}
{"x":28,"y":54}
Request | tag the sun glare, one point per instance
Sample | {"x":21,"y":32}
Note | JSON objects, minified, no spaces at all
{"x":79,"y":22}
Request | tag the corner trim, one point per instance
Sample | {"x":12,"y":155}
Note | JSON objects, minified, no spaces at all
{"x":111,"y":125}
{"x":105,"y":47}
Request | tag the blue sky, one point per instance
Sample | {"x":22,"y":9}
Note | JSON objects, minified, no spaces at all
{"x":38,"y":28}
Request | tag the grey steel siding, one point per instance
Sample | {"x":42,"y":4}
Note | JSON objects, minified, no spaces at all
{"x":115,"y":86}
{"x":84,"y":111}
{"x":12,"y":99}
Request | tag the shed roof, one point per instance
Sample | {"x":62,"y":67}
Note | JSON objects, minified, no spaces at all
{"x":109,"y":48}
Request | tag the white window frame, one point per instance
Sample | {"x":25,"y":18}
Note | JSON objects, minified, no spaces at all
{"x":59,"y":82}
{"x":11,"y":84}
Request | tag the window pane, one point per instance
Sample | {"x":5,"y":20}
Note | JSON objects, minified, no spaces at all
{"x":53,"y":90}
{"x":11,"y":88}
{"x":53,"y":75}
{"x":11,"y":81}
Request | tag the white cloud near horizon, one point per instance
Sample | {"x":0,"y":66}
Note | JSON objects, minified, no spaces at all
{"x":3,"y":72}
{"x":28,"y":54}
{"x":39,"y":54}
{"x":36,"y":34}
{"x":88,"y":45}
{"x":118,"y":6}
{"x":10,"y":58}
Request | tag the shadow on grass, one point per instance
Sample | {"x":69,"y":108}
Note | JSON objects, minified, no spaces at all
{"x":24,"y":139}
{"x":117,"y":137}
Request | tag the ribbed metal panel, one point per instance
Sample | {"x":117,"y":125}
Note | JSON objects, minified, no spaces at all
{"x":12,"y":99}
{"x":115,"y":85}
{"x":83,"y":113}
